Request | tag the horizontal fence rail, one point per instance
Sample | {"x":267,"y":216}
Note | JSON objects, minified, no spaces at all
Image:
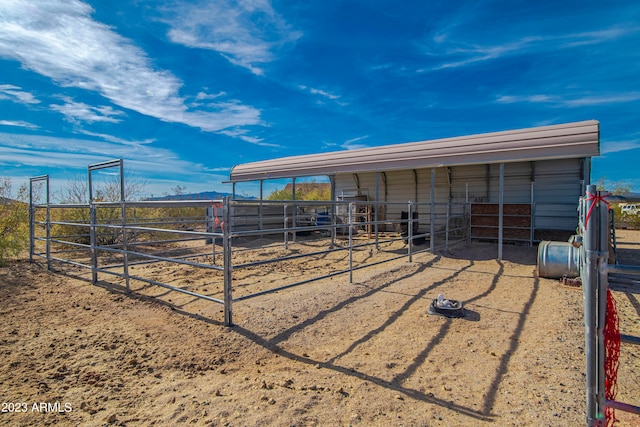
{"x":110,"y":238}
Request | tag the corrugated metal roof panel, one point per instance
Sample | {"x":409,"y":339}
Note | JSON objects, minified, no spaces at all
{"x":570,"y":140}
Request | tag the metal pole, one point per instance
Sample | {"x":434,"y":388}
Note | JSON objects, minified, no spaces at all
{"x":602,"y":219}
{"x":410,"y":231}
{"x":588,"y":274}
{"x":228,"y":267}
{"x":31,"y":222}
{"x":501,"y":212}
{"x":48,"y":225}
{"x":446,"y":237}
{"x":533,"y":214}
{"x":93,"y":242}
{"x":123,"y":207}
{"x":377,"y":208}
{"x":350,"y":242}
{"x":432,"y":213}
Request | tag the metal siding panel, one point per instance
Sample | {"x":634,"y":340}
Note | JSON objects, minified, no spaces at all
{"x":557,"y":193}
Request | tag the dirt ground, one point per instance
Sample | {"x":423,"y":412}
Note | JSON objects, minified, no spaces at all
{"x":328,"y":353}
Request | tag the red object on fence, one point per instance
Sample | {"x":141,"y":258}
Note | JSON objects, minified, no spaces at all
{"x":595,"y":200}
{"x":612,"y":353}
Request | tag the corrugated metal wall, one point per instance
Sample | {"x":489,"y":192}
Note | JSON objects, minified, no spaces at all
{"x":557,"y":187}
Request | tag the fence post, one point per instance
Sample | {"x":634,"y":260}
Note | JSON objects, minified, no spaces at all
{"x":590,"y":278}
{"x":350,"y":221}
{"x":226,"y":242}
{"x":93,"y":241}
{"x":125,"y":249}
{"x":410,"y":230}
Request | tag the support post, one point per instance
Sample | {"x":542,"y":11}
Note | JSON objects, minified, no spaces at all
{"x":351,"y":207}
{"x":410,"y":230}
{"x":93,"y":241}
{"x":432,"y":212}
{"x":228,"y":267}
{"x":123,"y":206}
{"x":501,"y":212}
{"x":590,"y":278}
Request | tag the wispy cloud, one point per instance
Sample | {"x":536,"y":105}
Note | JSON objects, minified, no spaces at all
{"x":559,"y":101}
{"x":617,"y":146}
{"x":352,"y":144}
{"x":18,"y":123}
{"x":115,"y":139}
{"x":46,"y":151}
{"x":60,"y":40}
{"x":246,"y":32}
{"x":322,"y":96}
{"x":242,"y":134}
{"x":16,"y":94}
{"x":79,"y":111}
{"x":449,"y":52}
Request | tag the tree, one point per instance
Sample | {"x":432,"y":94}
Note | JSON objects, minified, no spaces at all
{"x":14,"y":220}
{"x":304,"y":191}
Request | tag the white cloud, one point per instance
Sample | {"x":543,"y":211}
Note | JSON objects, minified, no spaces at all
{"x":79,"y":111}
{"x":246,"y":32}
{"x":242,"y":134}
{"x":18,"y":123}
{"x":50,"y":152}
{"x":116,"y":139}
{"x":445,"y":48}
{"x":558,"y":101}
{"x":617,"y":146}
{"x":60,"y":40}
{"x":15,"y":94}
{"x":351,"y":144}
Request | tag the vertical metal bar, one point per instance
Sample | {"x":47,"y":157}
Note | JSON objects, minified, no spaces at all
{"x":446,"y":236}
{"x":123,"y":207}
{"x":501,"y":212}
{"x":589,"y":280}
{"x":602,"y":220}
{"x":468,"y":217}
{"x":260,"y":213}
{"x":432,"y":212}
{"x":533,"y":214}
{"x":351,"y":205}
{"x":48,"y":224}
{"x":377,"y":208}
{"x":93,"y":240}
{"x":286,"y":226}
{"x":294,"y":209}
{"x":31,"y":222}
{"x":228,"y":267}
{"x":410,"y":231}
{"x":332,"y":179}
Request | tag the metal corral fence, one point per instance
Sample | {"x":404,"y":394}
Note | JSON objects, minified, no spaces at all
{"x":597,"y":273}
{"x":230,"y":242}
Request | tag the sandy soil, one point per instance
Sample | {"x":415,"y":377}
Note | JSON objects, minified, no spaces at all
{"x":326,"y":353}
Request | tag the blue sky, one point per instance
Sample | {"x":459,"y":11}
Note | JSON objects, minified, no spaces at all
{"x":184,"y":90}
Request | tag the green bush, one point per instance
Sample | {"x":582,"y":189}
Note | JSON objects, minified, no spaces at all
{"x":14,"y":221}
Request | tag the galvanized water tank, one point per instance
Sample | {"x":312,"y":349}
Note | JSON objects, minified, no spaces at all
{"x":558,"y":259}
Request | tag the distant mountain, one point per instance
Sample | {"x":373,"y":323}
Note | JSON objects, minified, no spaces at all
{"x":205,"y":195}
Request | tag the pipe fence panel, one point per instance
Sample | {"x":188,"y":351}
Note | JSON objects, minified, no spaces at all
{"x":237,"y":246}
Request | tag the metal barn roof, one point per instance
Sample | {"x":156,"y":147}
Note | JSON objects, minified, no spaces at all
{"x":570,"y":140}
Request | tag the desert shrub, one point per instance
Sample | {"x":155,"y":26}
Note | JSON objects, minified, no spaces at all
{"x":14,"y":221}
{"x":304,"y":191}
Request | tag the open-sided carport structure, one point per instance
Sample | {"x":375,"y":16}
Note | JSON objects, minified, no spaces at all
{"x":516,"y":185}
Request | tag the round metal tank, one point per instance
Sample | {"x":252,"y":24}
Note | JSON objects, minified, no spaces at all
{"x":558,"y":259}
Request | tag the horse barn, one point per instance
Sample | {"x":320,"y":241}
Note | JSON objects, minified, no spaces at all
{"x":514,"y":186}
